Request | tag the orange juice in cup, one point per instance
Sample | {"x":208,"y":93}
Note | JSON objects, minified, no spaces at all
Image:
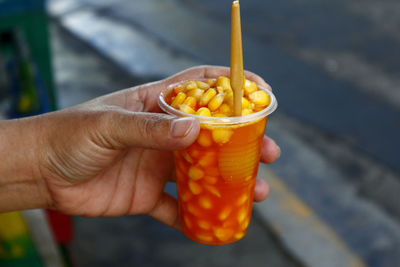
{"x":216,"y":175}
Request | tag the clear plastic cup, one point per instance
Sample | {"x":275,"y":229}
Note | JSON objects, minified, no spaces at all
{"x":216,"y":175}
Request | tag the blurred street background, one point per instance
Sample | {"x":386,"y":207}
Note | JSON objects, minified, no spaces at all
{"x":334,"y":67}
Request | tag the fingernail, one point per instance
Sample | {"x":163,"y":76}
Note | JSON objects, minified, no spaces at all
{"x":181,"y":127}
{"x":279,"y":151}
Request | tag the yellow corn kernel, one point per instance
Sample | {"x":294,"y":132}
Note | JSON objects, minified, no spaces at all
{"x":187,"y":221}
{"x":195,"y":188}
{"x":204,"y":224}
{"x":204,"y":139}
{"x":202,"y":85}
{"x":205,"y":203}
{"x":249,"y":87}
{"x":194,"y":209}
{"x":216,"y":101}
{"x":245,"y":224}
{"x":190,"y":101}
{"x":229,"y":97}
{"x":185,"y":108}
{"x":219,"y":115}
{"x":180,"y":97}
{"x":225,"y":109}
{"x":181,"y":166}
{"x":242,"y":215}
{"x":207,"y":96}
{"x":195,"y":173}
{"x":205,"y":238}
{"x":212,"y":189}
{"x":224,"y":82}
{"x":260,"y":98}
{"x":221,"y":136}
{"x":239,"y":235}
{"x":229,"y":92}
{"x":193,"y":152}
{"x":203,"y":112}
{"x":242,"y":199}
{"x":245,"y":103}
{"x":220,"y":89}
{"x":186,"y":196}
{"x":211,"y":82}
{"x":178,"y":89}
{"x":258,"y":108}
{"x":246,"y":111}
{"x":209,"y":158}
{"x":196,"y":93}
{"x":210,"y":179}
{"x":223,"y":234}
{"x":229,"y":100}
{"x":186,"y":156}
{"x":190,"y":86}
{"x":224,"y":213}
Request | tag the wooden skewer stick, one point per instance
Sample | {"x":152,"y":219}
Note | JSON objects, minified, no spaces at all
{"x":237,"y":76}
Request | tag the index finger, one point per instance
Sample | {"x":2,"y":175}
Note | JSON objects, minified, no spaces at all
{"x":270,"y":151}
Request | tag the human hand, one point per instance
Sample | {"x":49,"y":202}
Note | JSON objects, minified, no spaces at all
{"x":112,"y":156}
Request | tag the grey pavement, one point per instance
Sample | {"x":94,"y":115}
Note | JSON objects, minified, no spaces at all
{"x":334,"y":69}
{"x":141,"y":241}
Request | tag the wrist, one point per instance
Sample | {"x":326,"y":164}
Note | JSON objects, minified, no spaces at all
{"x":21,"y":185}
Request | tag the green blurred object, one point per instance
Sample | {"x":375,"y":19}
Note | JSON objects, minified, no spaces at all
{"x":30,"y":19}
{"x":28,"y":101}
{"x":16,"y":246}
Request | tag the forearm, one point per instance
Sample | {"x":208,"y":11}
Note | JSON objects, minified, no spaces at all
{"x":21,"y":186}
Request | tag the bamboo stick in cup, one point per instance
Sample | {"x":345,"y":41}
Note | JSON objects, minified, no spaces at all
{"x":237,"y":76}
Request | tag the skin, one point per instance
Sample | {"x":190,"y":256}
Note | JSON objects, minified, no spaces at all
{"x":98,"y":158}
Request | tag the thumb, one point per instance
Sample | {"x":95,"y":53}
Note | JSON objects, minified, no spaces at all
{"x":149,"y":130}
